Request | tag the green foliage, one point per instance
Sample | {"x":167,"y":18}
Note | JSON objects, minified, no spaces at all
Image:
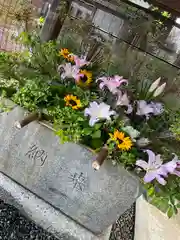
{"x":175,"y":126}
{"x":33,"y":95}
{"x":166,"y":199}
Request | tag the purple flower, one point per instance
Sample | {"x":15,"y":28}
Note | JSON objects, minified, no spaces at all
{"x":173,"y":166}
{"x":112,"y":83}
{"x":145,"y":109}
{"x":158,"y":108}
{"x":153,"y":168}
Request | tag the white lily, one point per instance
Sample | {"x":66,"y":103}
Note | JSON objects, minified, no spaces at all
{"x":144,"y":109}
{"x":159,"y":90}
{"x":97,"y":112}
{"x":154,"y":85}
{"x":69,"y":71}
{"x":133,"y":133}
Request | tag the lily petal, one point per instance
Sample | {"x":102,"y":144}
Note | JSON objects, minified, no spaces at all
{"x":142,"y":164}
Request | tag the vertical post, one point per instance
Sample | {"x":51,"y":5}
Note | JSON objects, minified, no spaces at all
{"x":55,"y":19}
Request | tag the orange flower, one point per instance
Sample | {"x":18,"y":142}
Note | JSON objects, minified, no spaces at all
{"x":66,"y":54}
{"x":72,"y":101}
{"x":123,"y":143}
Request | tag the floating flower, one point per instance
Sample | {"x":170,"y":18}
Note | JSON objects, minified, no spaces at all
{"x":132,"y":132}
{"x":144,"y":109}
{"x":123,"y":143}
{"x":80,"y":61}
{"x":112,"y":83}
{"x":153,"y":168}
{"x":84,"y":78}
{"x":72,"y":101}
{"x":97,"y":112}
{"x":156,"y":88}
{"x":68,"y":71}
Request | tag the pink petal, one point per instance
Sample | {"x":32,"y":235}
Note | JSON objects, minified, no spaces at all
{"x":101,"y":85}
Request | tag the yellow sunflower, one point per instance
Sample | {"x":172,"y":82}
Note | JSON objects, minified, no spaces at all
{"x":66,"y":54}
{"x":86,"y":80}
{"x":73,"y":102}
{"x":123,"y":143}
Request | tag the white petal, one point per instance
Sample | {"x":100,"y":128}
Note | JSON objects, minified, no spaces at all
{"x":87,"y":112}
{"x":154,"y":85}
{"x":129,"y":110}
{"x":93,"y":105}
{"x":159,"y":90}
{"x":92,"y":121}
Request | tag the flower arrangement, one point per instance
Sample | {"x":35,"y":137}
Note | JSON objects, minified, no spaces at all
{"x":88,"y":106}
{"x":110,"y":111}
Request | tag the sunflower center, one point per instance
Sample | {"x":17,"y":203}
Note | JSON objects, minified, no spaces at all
{"x":120,"y":141}
{"x":72,"y":102}
{"x":84,"y":78}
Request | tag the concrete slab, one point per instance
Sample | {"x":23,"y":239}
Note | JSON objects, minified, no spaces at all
{"x":151,"y":224}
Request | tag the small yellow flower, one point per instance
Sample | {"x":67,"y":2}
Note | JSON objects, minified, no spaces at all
{"x":73,"y":102}
{"x":86,"y":80}
{"x":66,"y":54}
{"x":123,"y":143}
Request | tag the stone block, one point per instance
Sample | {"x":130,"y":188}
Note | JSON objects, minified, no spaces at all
{"x":62,"y":174}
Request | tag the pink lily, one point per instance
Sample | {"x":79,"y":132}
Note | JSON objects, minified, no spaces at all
{"x":80,"y":61}
{"x":112,"y":83}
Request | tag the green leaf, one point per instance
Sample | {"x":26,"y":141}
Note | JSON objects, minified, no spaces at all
{"x":97,"y":126}
{"x":172,"y":200}
{"x":177,"y":197}
{"x":96,"y":143}
{"x":170,"y":212}
{"x":96,"y":134}
{"x":87,"y":131}
{"x":178,"y":205}
{"x":151,"y":191}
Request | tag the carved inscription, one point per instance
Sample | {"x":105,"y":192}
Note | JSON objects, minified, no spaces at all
{"x":78,"y":181}
{"x":37,"y":154}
